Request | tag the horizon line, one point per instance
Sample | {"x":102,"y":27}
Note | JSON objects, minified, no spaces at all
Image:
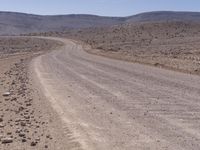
{"x":37,"y":14}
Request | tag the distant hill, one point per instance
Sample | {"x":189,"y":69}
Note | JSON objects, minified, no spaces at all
{"x":18,"y":23}
{"x":159,"y":16}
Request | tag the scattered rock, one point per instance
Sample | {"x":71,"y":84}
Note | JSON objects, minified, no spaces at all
{"x":7,"y":140}
{"x":18,"y":120}
{"x":6,"y":94}
{"x":7,"y":99}
{"x":1,"y":125}
{"x":18,"y":131}
{"x":21,"y":108}
{"x":14,"y":99}
{"x":23,"y":124}
{"x":21,"y":134}
{"x":33,"y":143}
{"x":28,"y":104}
{"x":9,"y":133}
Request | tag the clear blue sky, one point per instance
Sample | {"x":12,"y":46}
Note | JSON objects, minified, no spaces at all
{"x":99,"y":7}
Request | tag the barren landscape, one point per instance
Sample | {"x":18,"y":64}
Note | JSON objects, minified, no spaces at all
{"x":170,"y":45}
{"x":118,"y":83}
{"x":111,"y":104}
{"x":24,"y":123}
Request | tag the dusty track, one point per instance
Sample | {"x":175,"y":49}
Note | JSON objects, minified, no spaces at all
{"x":110,"y":104}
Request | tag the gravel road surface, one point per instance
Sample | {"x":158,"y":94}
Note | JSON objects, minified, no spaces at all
{"x":114,"y":105}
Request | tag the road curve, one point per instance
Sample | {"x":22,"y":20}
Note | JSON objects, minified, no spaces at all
{"x":114,"y":105}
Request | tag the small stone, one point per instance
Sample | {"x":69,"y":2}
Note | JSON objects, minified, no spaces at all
{"x":23,"y":140}
{"x":46,"y":146}
{"x":18,"y":131}
{"x":33,"y":143}
{"x":28,"y":104}
{"x":23,"y":124}
{"x":18,"y":120}
{"x":21,"y":134}
{"x":7,"y":140}
{"x":14,"y":99}
{"x":21,"y":108}
{"x":1,"y":119}
{"x":1,"y":125}
{"x":6,"y":94}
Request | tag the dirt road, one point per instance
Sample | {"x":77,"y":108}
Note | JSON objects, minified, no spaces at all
{"x":114,"y":105}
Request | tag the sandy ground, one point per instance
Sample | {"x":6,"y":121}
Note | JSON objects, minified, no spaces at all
{"x":27,"y":120}
{"x":115,"y":105}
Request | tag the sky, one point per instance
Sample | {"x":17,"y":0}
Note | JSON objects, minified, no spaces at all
{"x":97,"y":7}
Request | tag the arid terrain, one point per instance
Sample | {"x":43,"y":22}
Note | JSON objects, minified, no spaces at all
{"x":13,"y":23}
{"x":117,"y":105}
{"x":17,"y":23}
{"x":117,"y":83}
{"x":171,"y":45}
{"x":26,"y":118}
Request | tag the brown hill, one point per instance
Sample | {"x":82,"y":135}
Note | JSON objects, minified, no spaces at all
{"x":19,"y":23}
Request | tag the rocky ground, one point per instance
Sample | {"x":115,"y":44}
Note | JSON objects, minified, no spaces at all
{"x":171,"y":45}
{"x":114,"y":105}
{"x":26,"y":119}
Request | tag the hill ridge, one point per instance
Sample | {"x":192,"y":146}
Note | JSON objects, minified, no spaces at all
{"x":22,"y":23}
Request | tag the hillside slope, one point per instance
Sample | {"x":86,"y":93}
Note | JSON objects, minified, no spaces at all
{"x":160,"y":16}
{"x":20,"y":23}
{"x":17,"y":23}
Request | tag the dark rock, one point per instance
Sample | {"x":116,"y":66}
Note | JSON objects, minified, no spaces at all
{"x":7,"y":140}
{"x":23,"y":124}
{"x":33,"y":143}
{"x":21,"y":134}
{"x":6,"y":94}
